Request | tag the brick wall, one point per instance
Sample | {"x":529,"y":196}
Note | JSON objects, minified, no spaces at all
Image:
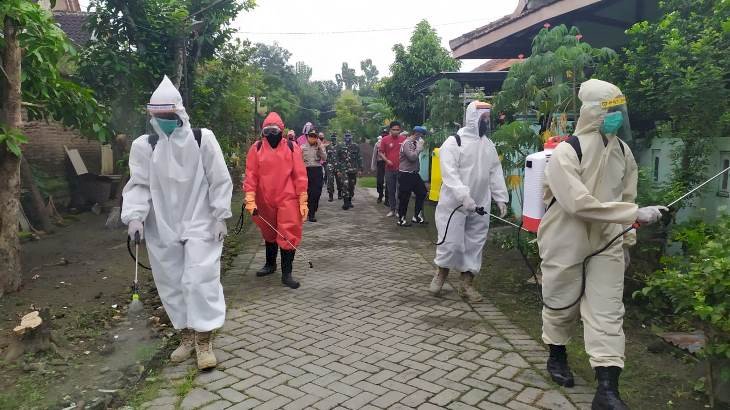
{"x":45,"y":151}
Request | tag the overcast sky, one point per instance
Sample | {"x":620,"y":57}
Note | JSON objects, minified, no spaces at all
{"x":391,"y":20}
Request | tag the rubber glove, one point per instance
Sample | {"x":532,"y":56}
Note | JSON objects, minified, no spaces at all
{"x":221,"y":230}
{"x":627,"y":258}
{"x":502,"y":209}
{"x":650,"y":214}
{"x":303,"y":207}
{"x":134,"y":227}
{"x":250,"y":202}
{"x":469,"y":204}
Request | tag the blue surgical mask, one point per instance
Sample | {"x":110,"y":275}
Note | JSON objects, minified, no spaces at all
{"x":612,"y":122}
{"x":167,"y":126}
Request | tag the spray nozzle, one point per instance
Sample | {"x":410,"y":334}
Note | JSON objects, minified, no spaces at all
{"x":480,"y":210}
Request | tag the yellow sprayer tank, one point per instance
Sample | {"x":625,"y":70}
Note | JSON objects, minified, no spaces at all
{"x":435,"y":191}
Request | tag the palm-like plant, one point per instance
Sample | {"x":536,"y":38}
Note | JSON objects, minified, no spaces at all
{"x":546,"y":83}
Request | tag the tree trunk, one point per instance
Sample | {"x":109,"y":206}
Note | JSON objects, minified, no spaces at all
{"x":10,"y":164}
{"x":179,"y":61}
{"x":39,"y":206}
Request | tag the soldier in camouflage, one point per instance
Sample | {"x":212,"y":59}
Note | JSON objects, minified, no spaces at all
{"x":331,"y":169}
{"x":349,"y":165}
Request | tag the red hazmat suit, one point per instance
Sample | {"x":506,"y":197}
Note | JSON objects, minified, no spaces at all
{"x":278,"y":178}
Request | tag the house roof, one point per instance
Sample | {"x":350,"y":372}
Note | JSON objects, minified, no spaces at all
{"x":490,"y":81}
{"x":497,"y":64}
{"x":72,"y":23}
{"x":602,"y":23}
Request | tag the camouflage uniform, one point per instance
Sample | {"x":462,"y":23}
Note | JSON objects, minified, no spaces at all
{"x":349,"y":162}
{"x":331,"y":170}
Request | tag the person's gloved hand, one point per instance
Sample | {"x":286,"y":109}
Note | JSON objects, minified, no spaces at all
{"x":502,"y":209}
{"x":303,"y":206}
{"x":469,"y":204}
{"x":134,"y":227}
{"x":627,"y":258}
{"x":420,"y":143}
{"x":650,"y":214}
{"x":250,"y":202}
{"x":220,"y":231}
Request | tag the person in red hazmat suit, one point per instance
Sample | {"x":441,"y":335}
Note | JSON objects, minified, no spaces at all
{"x":276,"y":195}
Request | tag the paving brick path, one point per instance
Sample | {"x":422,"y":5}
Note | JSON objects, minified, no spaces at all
{"x":363,"y":333}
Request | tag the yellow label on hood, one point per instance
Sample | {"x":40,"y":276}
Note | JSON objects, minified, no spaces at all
{"x":620,"y":100}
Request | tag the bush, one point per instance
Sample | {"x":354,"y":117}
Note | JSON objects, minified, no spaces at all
{"x":695,"y":286}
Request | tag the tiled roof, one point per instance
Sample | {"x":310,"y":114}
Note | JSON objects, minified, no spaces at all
{"x":72,"y":23}
{"x":497,"y":64}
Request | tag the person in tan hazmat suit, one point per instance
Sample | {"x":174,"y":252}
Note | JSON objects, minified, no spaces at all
{"x":590,"y":192}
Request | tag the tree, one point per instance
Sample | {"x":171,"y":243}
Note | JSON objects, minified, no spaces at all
{"x":444,"y":105}
{"x":547,"y":82}
{"x":423,"y":58}
{"x":137,"y":42}
{"x":369,"y":78}
{"x":33,"y":80}
{"x":677,"y":70}
{"x":347,"y":78}
{"x":350,"y":115}
{"x":223,"y":93}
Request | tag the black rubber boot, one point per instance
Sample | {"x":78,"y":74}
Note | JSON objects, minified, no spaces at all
{"x":270,"y":267}
{"x":607,"y":396}
{"x":331,"y":198}
{"x":287,"y":260}
{"x":557,"y":366}
{"x":380,"y":198}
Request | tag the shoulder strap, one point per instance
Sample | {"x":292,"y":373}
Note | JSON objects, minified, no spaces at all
{"x":621,"y":144}
{"x":575,"y":143}
{"x":198,"y":134}
{"x":153,"y":138}
{"x":258,"y":145}
{"x":458,"y":139}
{"x":290,"y":144}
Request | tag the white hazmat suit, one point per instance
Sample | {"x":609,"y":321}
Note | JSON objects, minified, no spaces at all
{"x":472,"y":174}
{"x":182,"y":193}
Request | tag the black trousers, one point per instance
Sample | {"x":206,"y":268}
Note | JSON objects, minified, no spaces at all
{"x":380,"y":178}
{"x":314,"y":188}
{"x":410,"y":183}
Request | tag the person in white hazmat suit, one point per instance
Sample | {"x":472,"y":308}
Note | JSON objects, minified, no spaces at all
{"x":471,"y":177}
{"x":589,"y":194}
{"x":178,"y":198}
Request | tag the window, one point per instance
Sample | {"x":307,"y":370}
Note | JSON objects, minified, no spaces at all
{"x":655,"y":173}
{"x":725,"y":179}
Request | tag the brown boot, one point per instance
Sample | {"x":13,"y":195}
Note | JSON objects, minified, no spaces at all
{"x":204,"y":350}
{"x":186,"y":348}
{"x":438,"y":281}
{"x":467,"y":290}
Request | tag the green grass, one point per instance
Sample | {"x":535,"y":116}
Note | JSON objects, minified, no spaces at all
{"x":187,"y":383}
{"x":367,"y":182}
{"x":27,"y":394}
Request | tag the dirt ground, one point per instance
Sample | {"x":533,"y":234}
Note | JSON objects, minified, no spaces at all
{"x":82,"y":273}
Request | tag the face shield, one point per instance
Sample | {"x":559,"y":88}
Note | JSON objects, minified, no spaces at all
{"x":615,"y":120}
{"x":485,"y":129}
{"x":164,"y":117}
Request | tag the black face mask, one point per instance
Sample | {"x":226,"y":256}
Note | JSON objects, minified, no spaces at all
{"x":274,"y":140}
{"x":483,"y":128}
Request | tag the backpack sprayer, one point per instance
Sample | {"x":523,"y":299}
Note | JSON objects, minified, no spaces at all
{"x":534,"y":208}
